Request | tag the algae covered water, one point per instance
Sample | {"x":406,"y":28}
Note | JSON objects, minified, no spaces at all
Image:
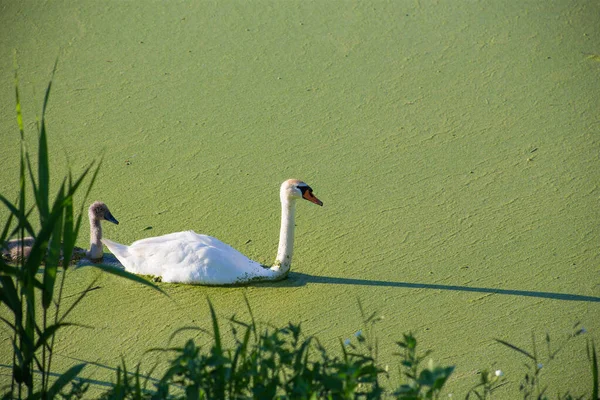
{"x":454,"y":145}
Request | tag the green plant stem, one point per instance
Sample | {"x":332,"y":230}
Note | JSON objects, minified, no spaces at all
{"x":44,"y":370}
{"x":57,"y":307}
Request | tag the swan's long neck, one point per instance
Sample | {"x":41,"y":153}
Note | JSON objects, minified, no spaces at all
{"x":286,"y":236}
{"x":96,"y":251}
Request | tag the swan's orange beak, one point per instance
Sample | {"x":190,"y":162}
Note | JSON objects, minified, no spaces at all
{"x":311,"y":197}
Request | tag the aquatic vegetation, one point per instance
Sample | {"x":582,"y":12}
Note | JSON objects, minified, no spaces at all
{"x":283,"y":363}
{"x":422,"y":383}
{"x":264,"y":362}
{"x":489,"y":382}
{"x":31,"y":294}
{"x":531,"y":386}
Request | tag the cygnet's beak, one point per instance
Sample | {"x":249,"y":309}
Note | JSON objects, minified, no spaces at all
{"x":109,"y":217}
{"x":307,"y":195}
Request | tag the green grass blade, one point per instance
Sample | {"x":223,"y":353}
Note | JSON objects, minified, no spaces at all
{"x":53,"y":258}
{"x":178,"y":331}
{"x":240,"y":352}
{"x":69,"y":236}
{"x":22,"y":221}
{"x":8,"y":270}
{"x":64,"y":380}
{"x":18,"y":106}
{"x":515,"y":348}
{"x":137,"y":385}
{"x":50,"y":331}
{"x":594,"y":360}
{"x":73,"y":188}
{"x":10,"y":298}
{"x":17,"y":229}
{"x":36,"y":191}
{"x":12,"y":326}
{"x":21,"y":372}
{"x":124,"y":274}
{"x":43,"y":161}
{"x":252,"y":321}
{"x":301,"y":355}
{"x":79,"y":298}
{"x":40,"y":246}
{"x":4,"y":234}
{"x":27,"y":337}
{"x":47,"y":95}
{"x":21,"y":217}
{"x":42,"y":194}
{"x":216,"y":331}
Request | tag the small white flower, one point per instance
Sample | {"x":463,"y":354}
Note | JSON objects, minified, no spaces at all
{"x":347,"y":342}
{"x":499,"y":373}
{"x":540,"y":366}
{"x":358,"y":334}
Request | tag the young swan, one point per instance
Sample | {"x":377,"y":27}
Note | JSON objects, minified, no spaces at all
{"x":187,"y":257}
{"x":97,"y":212}
{"x":14,"y":250}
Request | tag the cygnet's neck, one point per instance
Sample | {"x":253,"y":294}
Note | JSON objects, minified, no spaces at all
{"x":96,"y":251}
{"x":283,"y":261}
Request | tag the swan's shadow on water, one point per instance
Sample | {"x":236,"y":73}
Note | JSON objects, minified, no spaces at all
{"x":297,"y":279}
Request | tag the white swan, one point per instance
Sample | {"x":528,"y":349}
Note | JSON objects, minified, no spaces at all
{"x":187,"y":257}
{"x":16,"y":249}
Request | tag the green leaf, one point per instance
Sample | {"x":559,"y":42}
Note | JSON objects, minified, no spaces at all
{"x":515,"y":348}
{"x":40,"y":246}
{"x":69,"y":236}
{"x":21,"y":218}
{"x":47,"y":95}
{"x":64,"y":380}
{"x":54,"y":250}
{"x":594,"y":360}
{"x":124,"y":274}
{"x":73,"y":188}
{"x":10,"y":324}
{"x":216,"y":331}
{"x":50,"y":331}
{"x":4,"y":234}
{"x":8,"y":270}
{"x":10,"y":298}
{"x":42,"y":194}
{"x":18,"y":106}
{"x":80,"y":179}
{"x":78,"y":300}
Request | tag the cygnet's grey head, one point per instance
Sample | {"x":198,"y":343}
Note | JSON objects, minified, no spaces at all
{"x":99,"y":211}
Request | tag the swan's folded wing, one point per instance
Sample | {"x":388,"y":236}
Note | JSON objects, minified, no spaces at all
{"x":177,"y":236}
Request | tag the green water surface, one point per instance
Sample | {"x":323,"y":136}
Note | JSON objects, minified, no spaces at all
{"x":454,"y":145}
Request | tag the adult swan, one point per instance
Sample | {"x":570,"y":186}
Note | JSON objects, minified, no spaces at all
{"x":187,"y":257}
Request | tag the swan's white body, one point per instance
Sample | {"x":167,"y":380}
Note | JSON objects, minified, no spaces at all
{"x":188,"y":257}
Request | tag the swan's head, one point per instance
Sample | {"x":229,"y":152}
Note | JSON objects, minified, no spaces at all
{"x":295,"y":189}
{"x":99,"y":211}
